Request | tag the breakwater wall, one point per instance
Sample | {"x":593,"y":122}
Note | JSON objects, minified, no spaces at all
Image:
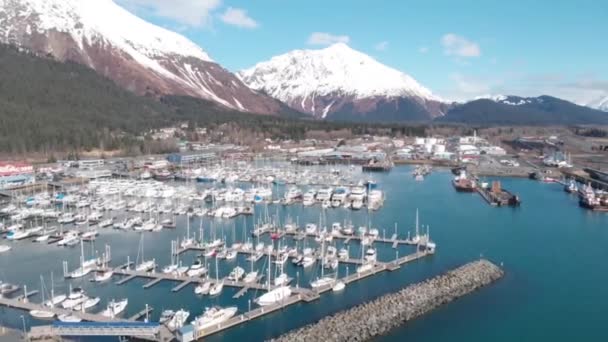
{"x":368,"y":320}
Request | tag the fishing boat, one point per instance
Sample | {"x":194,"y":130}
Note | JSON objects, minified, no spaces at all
{"x":178,"y":320}
{"x":166,"y":316}
{"x":5,"y":248}
{"x":213,"y":316}
{"x":236,"y":274}
{"x":197,"y":269}
{"x":115,"y":308}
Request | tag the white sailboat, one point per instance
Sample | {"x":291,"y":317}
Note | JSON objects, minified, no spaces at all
{"x":252,"y":276}
{"x":217,"y":288}
{"x":323,"y":280}
{"x":54,"y":300}
{"x":274,"y":296}
{"x":85,"y":266}
{"x":42,"y":314}
{"x":203,"y":288}
{"x":144,"y":265}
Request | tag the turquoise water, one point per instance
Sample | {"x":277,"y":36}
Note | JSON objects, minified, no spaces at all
{"x":554,"y":254}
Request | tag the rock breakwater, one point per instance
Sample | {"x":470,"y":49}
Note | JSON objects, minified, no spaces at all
{"x":368,"y":320}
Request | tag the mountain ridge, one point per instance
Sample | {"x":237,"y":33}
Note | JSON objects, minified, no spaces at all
{"x":139,"y":56}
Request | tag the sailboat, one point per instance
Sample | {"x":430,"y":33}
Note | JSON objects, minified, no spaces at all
{"x":339,"y":285}
{"x":252,"y":276}
{"x":323,"y":280}
{"x":42,"y":314}
{"x":217,"y":288}
{"x":365,"y":266}
{"x":85,"y":266}
{"x":203,"y":288}
{"x":54,"y":300}
{"x":275,"y":295}
{"x":144,"y":265}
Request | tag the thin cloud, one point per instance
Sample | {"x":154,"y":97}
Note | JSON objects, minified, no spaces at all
{"x":192,"y":13}
{"x":423,"y":49}
{"x":459,"y":46}
{"x":238,"y":17}
{"x":382,"y":46}
{"x":324,"y":38}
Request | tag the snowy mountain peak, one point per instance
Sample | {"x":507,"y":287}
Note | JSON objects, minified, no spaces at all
{"x":141,"y":57}
{"x":88,"y":20}
{"x":335,"y":69}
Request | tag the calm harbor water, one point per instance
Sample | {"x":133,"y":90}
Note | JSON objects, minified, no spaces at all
{"x":554,"y":254}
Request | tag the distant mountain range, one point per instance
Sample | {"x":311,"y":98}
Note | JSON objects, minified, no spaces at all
{"x":514,"y":110}
{"x":335,"y":83}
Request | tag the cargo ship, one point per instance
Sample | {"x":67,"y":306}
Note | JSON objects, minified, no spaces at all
{"x":464,"y":184}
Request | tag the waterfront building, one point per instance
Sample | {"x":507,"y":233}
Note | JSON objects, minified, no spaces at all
{"x":15,"y":174}
{"x":190,"y":157}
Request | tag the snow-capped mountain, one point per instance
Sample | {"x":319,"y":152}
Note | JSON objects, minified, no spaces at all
{"x":340,"y":83}
{"x":601,"y":104}
{"x":137,"y":55}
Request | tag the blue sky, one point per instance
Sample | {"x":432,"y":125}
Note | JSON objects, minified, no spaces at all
{"x":458,"y":49}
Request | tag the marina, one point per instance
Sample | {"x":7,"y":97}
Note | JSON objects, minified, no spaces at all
{"x":285,"y":227}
